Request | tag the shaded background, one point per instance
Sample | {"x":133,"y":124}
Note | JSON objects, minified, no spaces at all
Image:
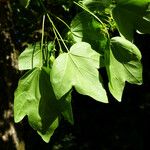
{"x":113,"y":126}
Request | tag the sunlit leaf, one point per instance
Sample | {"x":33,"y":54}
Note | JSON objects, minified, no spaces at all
{"x":84,"y":27}
{"x":78,"y":68}
{"x":31,"y":57}
{"x":123,"y":64}
{"x":35,"y":98}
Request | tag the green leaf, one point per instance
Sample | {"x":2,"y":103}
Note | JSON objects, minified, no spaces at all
{"x":96,"y":4}
{"x":123,"y":64}
{"x":35,"y":98}
{"x":31,"y":57}
{"x":84,"y":27}
{"x":132,"y":15}
{"x":49,"y":132}
{"x":67,"y":109}
{"x":78,"y":68}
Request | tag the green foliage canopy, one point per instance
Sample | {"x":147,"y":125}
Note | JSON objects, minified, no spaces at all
{"x":72,"y":58}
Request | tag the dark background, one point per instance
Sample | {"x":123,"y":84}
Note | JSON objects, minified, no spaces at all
{"x":113,"y":126}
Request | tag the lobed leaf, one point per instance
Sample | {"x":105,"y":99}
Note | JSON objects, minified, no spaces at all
{"x":123,"y":64}
{"x":78,"y":68}
{"x":35,"y":98}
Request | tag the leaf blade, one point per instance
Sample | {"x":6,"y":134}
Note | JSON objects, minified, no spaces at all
{"x":86,"y":28}
{"x":80,"y":71}
{"x":31,"y":57}
{"x":35,"y":98}
{"x":129,"y":17}
{"x":123,"y":64}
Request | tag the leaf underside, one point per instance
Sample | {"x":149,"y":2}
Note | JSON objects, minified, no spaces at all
{"x":123,"y":64}
{"x":78,"y":68}
{"x":35,"y":98}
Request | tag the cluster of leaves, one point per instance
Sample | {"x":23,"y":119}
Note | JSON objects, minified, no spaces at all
{"x":55,"y":67}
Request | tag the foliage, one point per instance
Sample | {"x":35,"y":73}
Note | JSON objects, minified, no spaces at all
{"x":71,"y":58}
